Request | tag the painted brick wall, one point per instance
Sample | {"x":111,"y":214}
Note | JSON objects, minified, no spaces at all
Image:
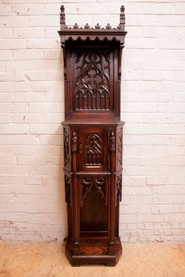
{"x":32,"y":205}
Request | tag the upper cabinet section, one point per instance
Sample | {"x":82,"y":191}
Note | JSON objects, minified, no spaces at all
{"x":92,"y":69}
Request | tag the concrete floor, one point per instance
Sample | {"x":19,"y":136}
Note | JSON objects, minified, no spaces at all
{"x":20,"y":259}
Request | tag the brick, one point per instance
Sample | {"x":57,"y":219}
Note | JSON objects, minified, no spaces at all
{"x":9,"y":150}
{"x":88,"y":9}
{"x":12,"y":21}
{"x":142,"y":20}
{"x":13,"y":107}
{"x":176,"y":160}
{"x":139,"y":171}
{"x":53,"y":9}
{"x":171,"y":21}
{"x":165,"y":209}
{"x":157,"y":118}
{"x":169,"y":43}
{"x":36,"y":32}
{"x":31,"y":208}
{"x":47,"y":107}
{"x":51,"y":118}
{"x":52,"y":75}
{"x":38,"y":160}
{"x":27,"y":118}
{"x":159,"y":8}
{"x":5,"y":9}
{"x":5,"y":55}
{"x":38,"y":43}
{"x":6,"y":33}
{"x":15,"y":207}
{"x":18,"y":65}
{"x":6,"y":76}
{"x":52,"y":54}
{"x":44,"y":65}
{"x":8,"y":160}
{"x":14,"y":128}
{"x":14,"y":87}
{"x":6,"y":97}
{"x":43,"y":21}
{"x":47,"y":86}
{"x":29,"y":97}
{"x":44,"y":129}
{"x":52,"y":140}
{"x":150,"y":43}
{"x":157,"y":180}
{"x":28,"y":54}
{"x":2,"y":66}
{"x":27,"y":9}
{"x":152,"y":160}
{"x":22,"y":76}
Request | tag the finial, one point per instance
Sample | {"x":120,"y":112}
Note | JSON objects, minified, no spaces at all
{"x":122,"y":17}
{"x":97,"y":26}
{"x":87,"y":26}
{"x":108,"y":26}
{"x":75,"y":26}
{"x":62,"y":17}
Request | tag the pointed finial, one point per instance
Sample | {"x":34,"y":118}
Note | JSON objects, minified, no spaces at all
{"x":122,"y":17}
{"x":62,"y":17}
{"x":87,"y":26}
{"x":75,"y":26}
{"x":97,"y":26}
{"x":108,"y":26}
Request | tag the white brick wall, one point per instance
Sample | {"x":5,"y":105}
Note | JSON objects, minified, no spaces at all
{"x":32,"y":205}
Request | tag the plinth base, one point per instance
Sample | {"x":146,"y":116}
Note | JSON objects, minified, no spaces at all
{"x":93,"y":250}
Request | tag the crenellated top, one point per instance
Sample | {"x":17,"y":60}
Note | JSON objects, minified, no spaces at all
{"x":89,"y":33}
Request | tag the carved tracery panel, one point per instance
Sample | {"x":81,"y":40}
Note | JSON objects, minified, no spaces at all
{"x":98,"y":183}
{"x":93,"y":149}
{"x":92,"y":74}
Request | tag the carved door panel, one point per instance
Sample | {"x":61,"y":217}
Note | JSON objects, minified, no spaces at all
{"x":93,"y":149}
{"x":92,"y":89}
{"x":94,"y":203}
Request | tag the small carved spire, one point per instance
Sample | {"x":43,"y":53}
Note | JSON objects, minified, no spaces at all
{"x":75,"y":26}
{"x":62,"y":17}
{"x":97,"y":26}
{"x":108,"y":26}
{"x":87,"y":26}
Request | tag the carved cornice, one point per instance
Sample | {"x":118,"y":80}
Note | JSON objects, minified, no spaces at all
{"x":92,"y":33}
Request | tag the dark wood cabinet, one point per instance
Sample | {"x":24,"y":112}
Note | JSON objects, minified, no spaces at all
{"x":92,"y":140}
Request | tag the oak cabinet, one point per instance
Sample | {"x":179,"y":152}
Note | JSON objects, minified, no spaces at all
{"x":92,"y":141}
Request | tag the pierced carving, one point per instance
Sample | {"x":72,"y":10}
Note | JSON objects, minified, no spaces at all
{"x":74,"y":142}
{"x":119,"y":146}
{"x":119,"y":188}
{"x":92,"y":91}
{"x":66,"y":148}
{"x":67,"y":189}
{"x":93,"y":149}
{"x":88,"y":183}
{"x":112,"y":141}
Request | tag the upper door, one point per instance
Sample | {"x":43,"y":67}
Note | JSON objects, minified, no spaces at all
{"x":92,"y":86}
{"x":93,"y":150}
{"x":93,"y":89}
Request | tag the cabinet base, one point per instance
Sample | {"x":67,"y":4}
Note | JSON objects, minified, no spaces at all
{"x":93,"y":250}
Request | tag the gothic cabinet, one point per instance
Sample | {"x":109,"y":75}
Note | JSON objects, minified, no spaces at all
{"x":92,"y":140}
